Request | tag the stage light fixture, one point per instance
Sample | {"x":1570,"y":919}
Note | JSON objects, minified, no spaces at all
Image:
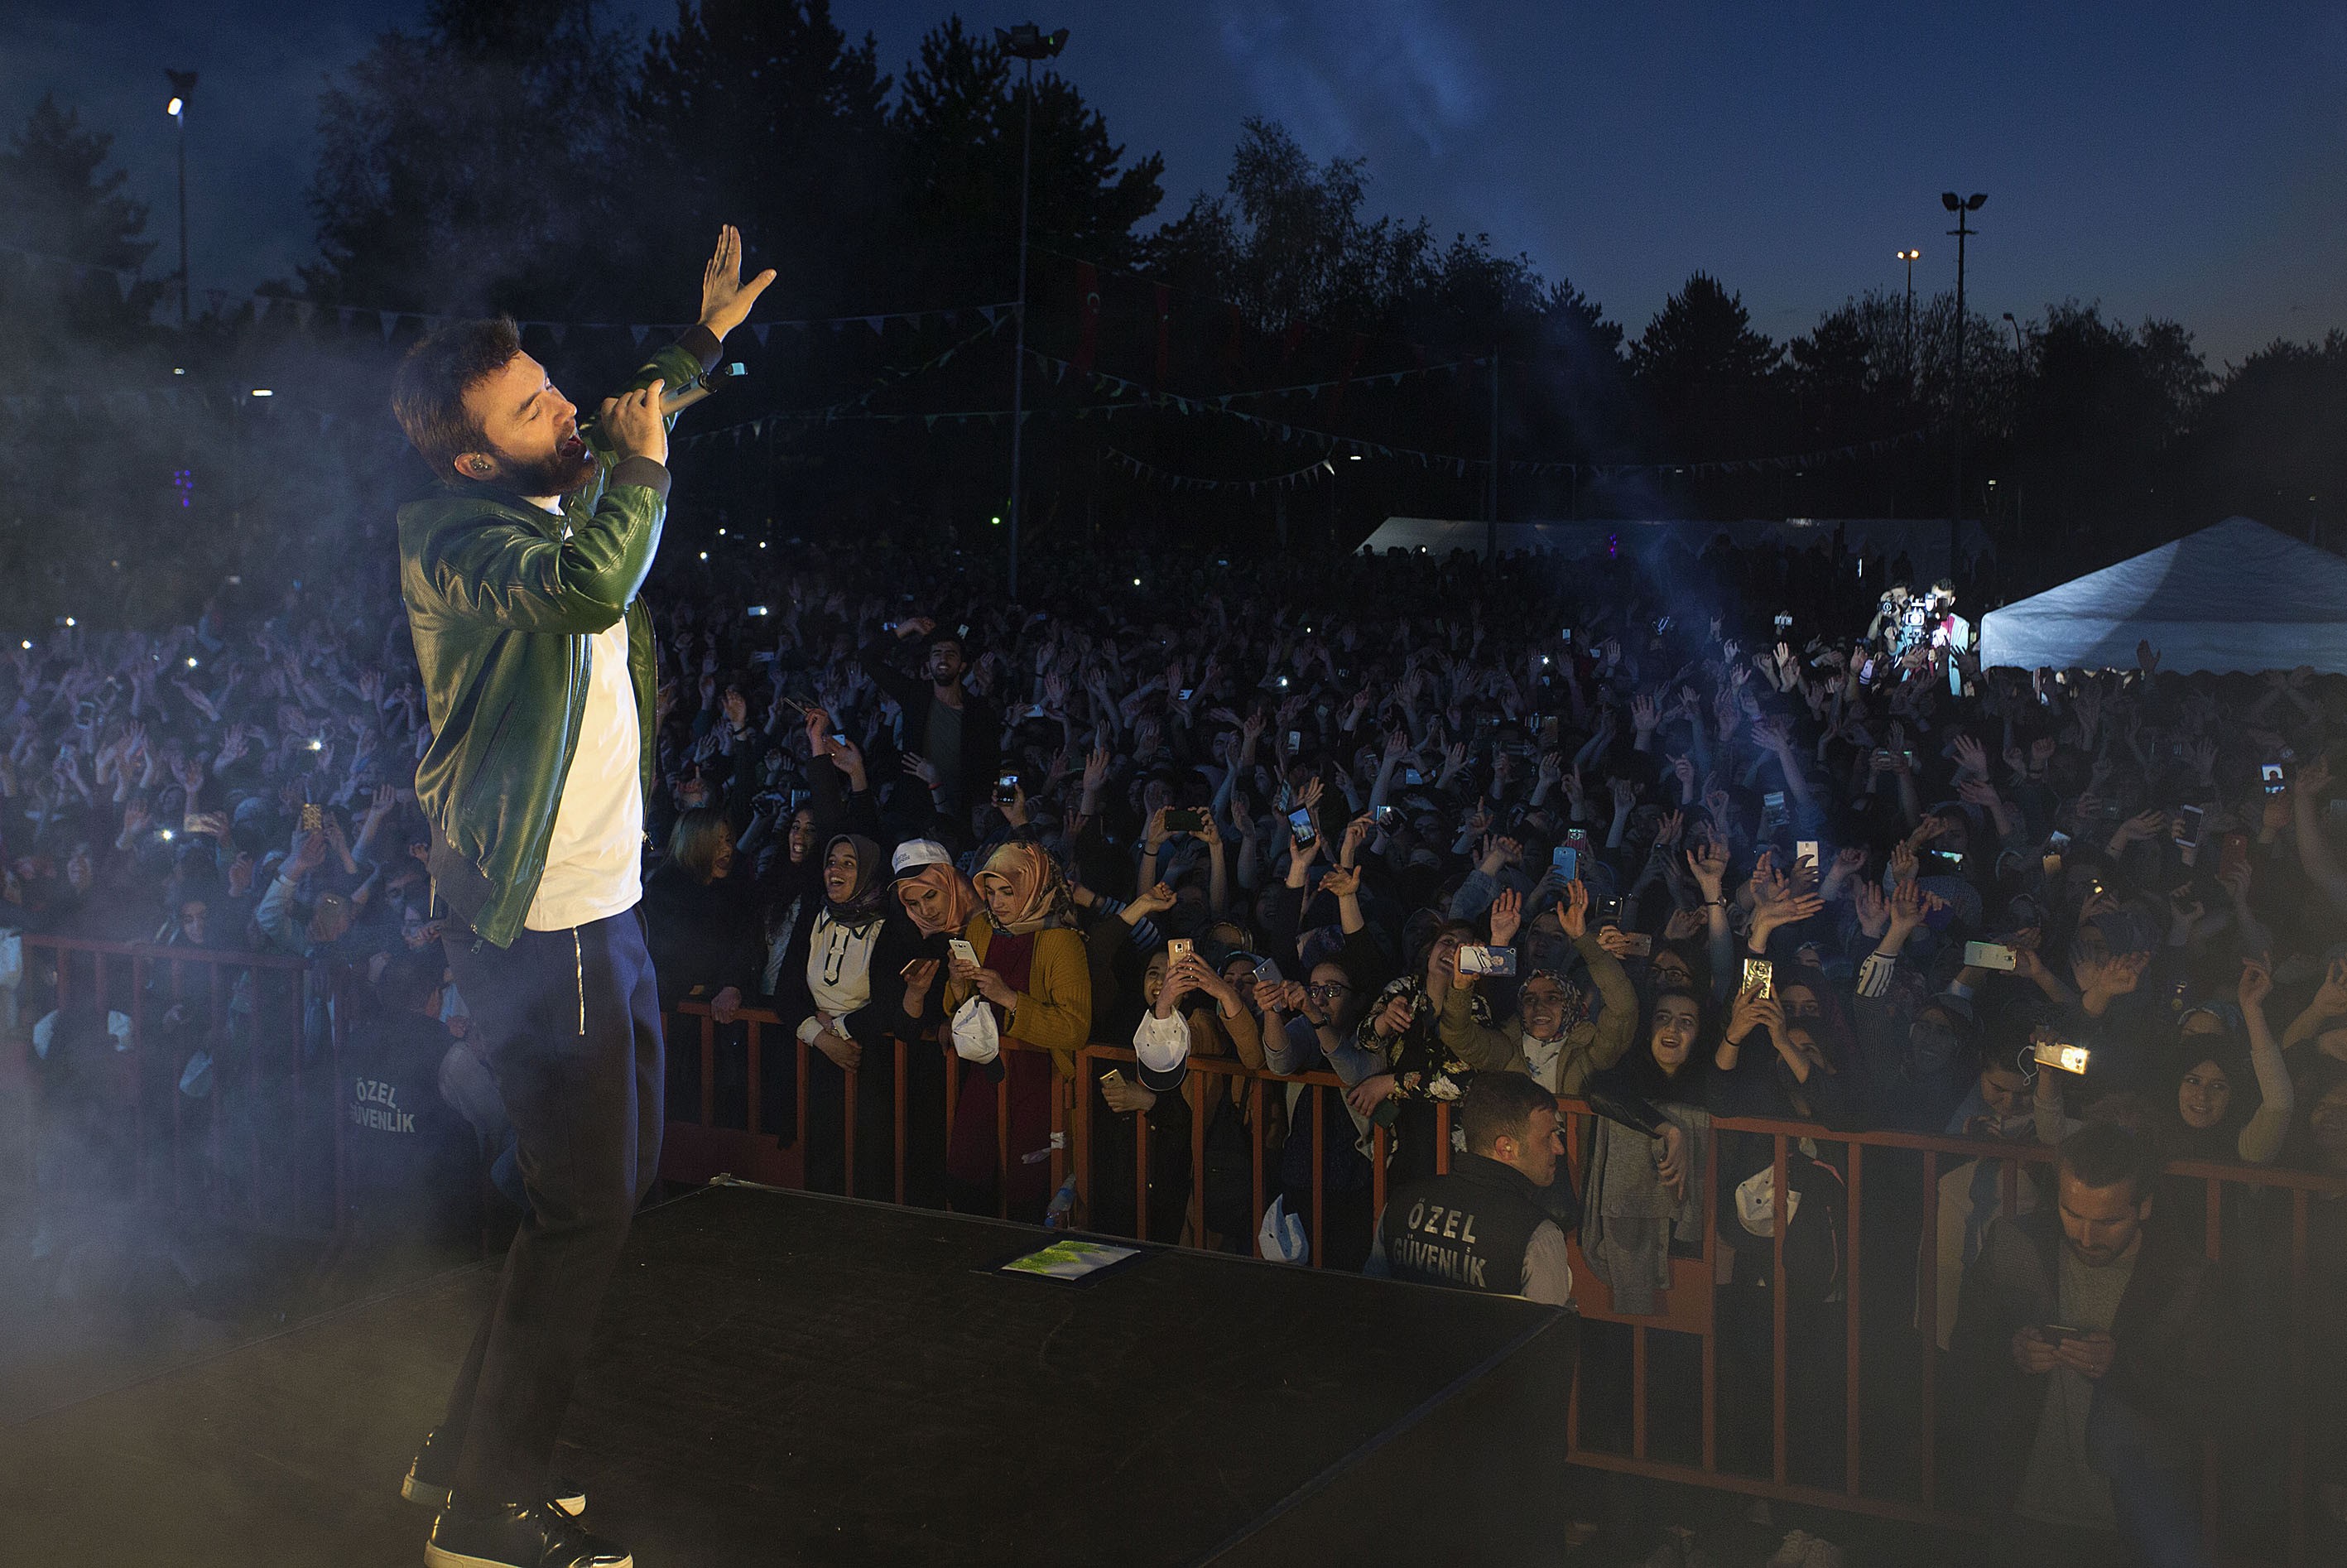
{"x":1028,"y":41}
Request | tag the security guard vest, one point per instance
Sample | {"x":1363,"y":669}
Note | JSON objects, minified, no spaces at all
{"x":1467,"y":1230}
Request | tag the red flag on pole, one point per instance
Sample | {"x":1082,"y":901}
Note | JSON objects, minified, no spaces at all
{"x":1352,"y":363}
{"x":1164,"y":299}
{"x":1088,"y":304}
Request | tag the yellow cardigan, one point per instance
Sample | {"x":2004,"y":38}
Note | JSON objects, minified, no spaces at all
{"x":1055,"y":1009}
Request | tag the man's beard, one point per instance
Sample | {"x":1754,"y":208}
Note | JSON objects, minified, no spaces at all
{"x":569,"y":468}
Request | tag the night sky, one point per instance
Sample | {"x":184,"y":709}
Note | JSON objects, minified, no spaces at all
{"x":2163,"y":158}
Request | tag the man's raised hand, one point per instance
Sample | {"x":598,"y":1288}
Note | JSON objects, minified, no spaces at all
{"x":725,"y":298}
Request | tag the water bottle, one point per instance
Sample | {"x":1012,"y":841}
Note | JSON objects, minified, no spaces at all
{"x":1062,"y":1206}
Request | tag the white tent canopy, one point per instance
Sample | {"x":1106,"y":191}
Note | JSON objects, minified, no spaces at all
{"x":2237,"y":596}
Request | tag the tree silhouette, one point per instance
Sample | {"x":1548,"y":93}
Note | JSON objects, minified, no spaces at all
{"x":58,"y":198}
{"x":470,"y":166}
{"x":1707,"y":374}
{"x":958,"y":134}
{"x":762,"y":114}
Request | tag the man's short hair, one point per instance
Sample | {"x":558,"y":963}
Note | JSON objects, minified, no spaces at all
{"x":1501,"y":1105}
{"x":427,"y":394}
{"x":409,"y":976}
{"x":2103,"y":1154}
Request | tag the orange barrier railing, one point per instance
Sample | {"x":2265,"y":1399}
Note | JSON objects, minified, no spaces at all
{"x":261,"y":1144}
{"x":699,"y":1149}
{"x":1694,"y":1315}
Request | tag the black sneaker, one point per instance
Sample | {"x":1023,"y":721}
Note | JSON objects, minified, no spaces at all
{"x":429,"y":1478}
{"x":519,"y":1535}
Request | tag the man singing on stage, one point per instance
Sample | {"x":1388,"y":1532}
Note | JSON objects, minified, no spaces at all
{"x":521,"y":569}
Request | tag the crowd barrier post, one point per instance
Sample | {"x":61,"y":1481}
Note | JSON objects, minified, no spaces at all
{"x":291,"y":1169}
{"x":1073,"y":1148}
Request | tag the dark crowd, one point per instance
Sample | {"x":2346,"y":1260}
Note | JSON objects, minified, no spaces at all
{"x":1749,"y":832}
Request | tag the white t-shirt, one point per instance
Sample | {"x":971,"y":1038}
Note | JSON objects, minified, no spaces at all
{"x":594,"y":862}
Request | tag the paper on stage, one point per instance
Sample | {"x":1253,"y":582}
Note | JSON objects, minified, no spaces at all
{"x":1068,"y":1259}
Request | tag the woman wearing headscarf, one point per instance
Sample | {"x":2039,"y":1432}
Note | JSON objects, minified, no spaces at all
{"x":938,"y":901}
{"x":1552,"y":1037}
{"x":840,"y":988}
{"x":2232,"y":1100}
{"x":1190,"y":1011}
{"x":1032,"y":978}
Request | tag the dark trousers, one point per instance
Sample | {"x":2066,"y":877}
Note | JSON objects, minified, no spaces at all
{"x":569,"y":1022}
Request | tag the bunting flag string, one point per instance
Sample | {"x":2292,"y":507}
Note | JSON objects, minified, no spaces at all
{"x":1439,"y":462}
{"x":143,"y":404}
{"x":1461,"y":466}
{"x":1784,"y":462}
{"x":1118,"y":385}
{"x":1290,"y":340}
{"x":123,"y":278}
{"x":848,"y":407}
{"x":1180,"y":482}
{"x":388,"y":320}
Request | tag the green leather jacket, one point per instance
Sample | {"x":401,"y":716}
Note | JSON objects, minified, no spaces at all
{"x":501,"y":605}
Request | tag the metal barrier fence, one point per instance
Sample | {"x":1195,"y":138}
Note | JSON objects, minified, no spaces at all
{"x":222,"y":1086}
{"x":1693,"y":1303}
{"x":1884,"y":1471}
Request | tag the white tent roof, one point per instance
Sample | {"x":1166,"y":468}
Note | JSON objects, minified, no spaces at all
{"x":2234,"y":596}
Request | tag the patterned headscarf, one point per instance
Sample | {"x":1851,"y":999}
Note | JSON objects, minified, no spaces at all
{"x":959,"y":900}
{"x":869,"y":898}
{"x":1576,"y":999}
{"x":1038,"y":891}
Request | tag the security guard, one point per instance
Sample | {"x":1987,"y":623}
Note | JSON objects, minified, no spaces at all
{"x":1483,"y":1226}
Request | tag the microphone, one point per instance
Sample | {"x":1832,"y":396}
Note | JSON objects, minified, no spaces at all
{"x":692,"y":391}
{"x":684,"y":395}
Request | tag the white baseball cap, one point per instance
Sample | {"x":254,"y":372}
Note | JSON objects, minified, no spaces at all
{"x":916,"y":853}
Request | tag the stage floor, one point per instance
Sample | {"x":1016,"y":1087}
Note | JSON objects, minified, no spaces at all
{"x":785,"y":1378}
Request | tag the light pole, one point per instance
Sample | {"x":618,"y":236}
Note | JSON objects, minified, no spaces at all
{"x":183,"y":84}
{"x":1911,"y":255}
{"x":1030,"y":43}
{"x":2015,"y":325}
{"x":1491,"y":489}
{"x":1962,"y":207}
